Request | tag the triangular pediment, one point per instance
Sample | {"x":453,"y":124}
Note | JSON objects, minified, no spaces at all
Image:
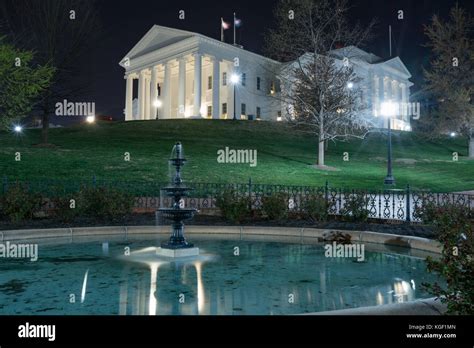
{"x":157,"y":37}
{"x":397,"y":64}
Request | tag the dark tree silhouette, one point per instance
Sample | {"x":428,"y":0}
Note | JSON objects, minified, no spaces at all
{"x":450,"y":77}
{"x":60,"y":33}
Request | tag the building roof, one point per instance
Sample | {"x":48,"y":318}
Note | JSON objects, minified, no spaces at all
{"x":159,"y":37}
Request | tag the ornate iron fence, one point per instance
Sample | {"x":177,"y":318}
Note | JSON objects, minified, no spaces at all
{"x":396,"y":204}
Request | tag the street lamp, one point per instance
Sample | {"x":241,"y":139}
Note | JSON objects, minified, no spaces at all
{"x":90,"y":119}
{"x":389,"y":109}
{"x":18,"y":129}
{"x":234,"y":79}
{"x":157,"y":104}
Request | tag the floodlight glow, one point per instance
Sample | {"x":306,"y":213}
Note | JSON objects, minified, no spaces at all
{"x":203,"y":110}
{"x":235,"y":78}
{"x":452,"y":134}
{"x":90,"y":119}
{"x":279,"y":118}
{"x":18,"y":129}
{"x":157,"y":103}
{"x":388,"y":109}
{"x":350,"y":85}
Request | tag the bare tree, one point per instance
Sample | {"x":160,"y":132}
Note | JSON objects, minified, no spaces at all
{"x":319,"y":88}
{"x":450,"y":77}
{"x":60,"y":32}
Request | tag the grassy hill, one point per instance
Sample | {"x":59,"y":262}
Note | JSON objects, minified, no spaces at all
{"x":284,"y":157}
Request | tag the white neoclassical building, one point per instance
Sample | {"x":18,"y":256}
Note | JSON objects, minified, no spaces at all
{"x":173,"y":73}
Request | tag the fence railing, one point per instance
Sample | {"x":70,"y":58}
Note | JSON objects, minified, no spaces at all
{"x":396,"y":204}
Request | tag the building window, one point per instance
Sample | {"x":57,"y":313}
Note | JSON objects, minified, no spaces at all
{"x":209,"y":111}
{"x":272,"y":88}
{"x":244,"y":79}
{"x":258,"y":83}
{"x":279,"y":116}
{"x":259,"y":112}
{"x":224,"y":108}
{"x":244,"y":109}
{"x":224,"y":79}
{"x":209,"y":82}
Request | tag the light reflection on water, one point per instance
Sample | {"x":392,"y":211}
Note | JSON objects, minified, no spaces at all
{"x":259,"y":281}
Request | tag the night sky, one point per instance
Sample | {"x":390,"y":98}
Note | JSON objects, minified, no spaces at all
{"x":124,"y":22}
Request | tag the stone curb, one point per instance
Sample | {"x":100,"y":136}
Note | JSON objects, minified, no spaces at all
{"x":429,"y":306}
{"x":412,"y":242}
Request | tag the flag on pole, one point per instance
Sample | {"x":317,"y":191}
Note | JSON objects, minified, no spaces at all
{"x":224,"y":26}
{"x":237,"y":23}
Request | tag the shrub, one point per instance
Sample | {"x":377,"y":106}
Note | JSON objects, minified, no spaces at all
{"x":355,"y":207}
{"x":233,"y":207}
{"x":18,"y":204}
{"x":338,"y":237}
{"x":275,"y":206}
{"x":315,"y":208}
{"x":426,"y":212}
{"x":62,"y":209}
{"x":454,"y":225}
{"x":103,"y":202}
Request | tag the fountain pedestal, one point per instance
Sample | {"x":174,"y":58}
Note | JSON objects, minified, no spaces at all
{"x":177,"y":246}
{"x":184,"y":252}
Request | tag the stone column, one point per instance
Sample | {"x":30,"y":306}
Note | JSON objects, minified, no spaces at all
{"x":182,"y":88}
{"x":375,"y":96}
{"x":147,"y":98}
{"x":393,"y":91}
{"x":141,"y":96}
{"x":216,"y":72}
{"x":154,"y":92}
{"x":382,"y":98}
{"x":230,"y":91}
{"x":167,"y":91}
{"x":405,"y":101}
{"x":129,"y":98}
{"x":197,"y":84}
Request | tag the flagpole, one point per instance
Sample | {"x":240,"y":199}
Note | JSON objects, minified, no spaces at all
{"x":234,"y":28}
{"x":222,"y":29}
{"x":390,"y":39}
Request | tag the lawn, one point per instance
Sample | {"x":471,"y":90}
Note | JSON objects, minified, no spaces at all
{"x":284,"y":156}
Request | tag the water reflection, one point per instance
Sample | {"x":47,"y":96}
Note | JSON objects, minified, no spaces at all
{"x":168,"y":281}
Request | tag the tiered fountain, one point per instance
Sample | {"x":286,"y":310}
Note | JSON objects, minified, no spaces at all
{"x":177,"y":246}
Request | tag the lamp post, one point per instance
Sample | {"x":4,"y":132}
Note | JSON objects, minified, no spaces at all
{"x":234,"y":79}
{"x":157,"y":104}
{"x":388,"y":110}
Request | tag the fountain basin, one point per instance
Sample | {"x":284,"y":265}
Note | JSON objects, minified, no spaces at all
{"x":172,"y":214}
{"x":257,"y":282}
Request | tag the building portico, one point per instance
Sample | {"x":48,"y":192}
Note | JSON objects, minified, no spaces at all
{"x":181,"y":74}
{"x":181,"y":87}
